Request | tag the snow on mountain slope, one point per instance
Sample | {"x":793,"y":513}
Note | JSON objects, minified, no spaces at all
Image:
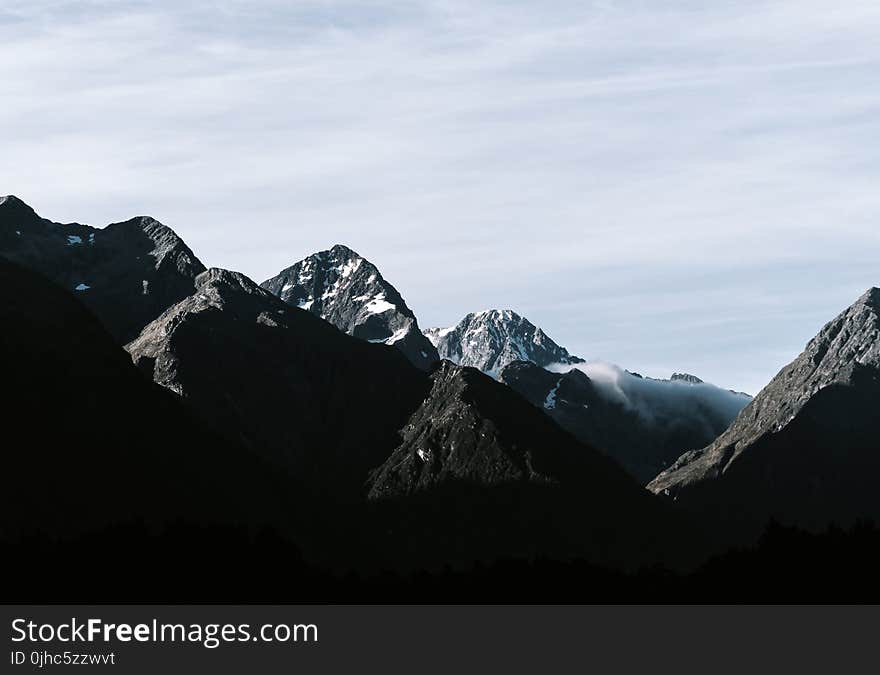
{"x":348,"y":291}
{"x":493,"y":339}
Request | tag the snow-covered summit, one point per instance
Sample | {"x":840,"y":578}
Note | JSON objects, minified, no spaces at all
{"x":492,"y":339}
{"x":347,"y":290}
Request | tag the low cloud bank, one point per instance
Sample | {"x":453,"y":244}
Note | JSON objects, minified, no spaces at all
{"x":662,"y":402}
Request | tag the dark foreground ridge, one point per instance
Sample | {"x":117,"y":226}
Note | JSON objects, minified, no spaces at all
{"x":91,"y":443}
{"x":228,"y":564}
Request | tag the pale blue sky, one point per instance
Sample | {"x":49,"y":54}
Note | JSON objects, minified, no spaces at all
{"x":664,"y":185}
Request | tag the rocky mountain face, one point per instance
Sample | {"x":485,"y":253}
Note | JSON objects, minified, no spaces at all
{"x":127,"y":273}
{"x":321,"y":406}
{"x":452,"y":438}
{"x":485,"y":471}
{"x":492,"y":339}
{"x":805,"y":450}
{"x":385,"y":452}
{"x":347,"y":290}
{"x":644,"y":428}
{"x":643,"y":424}
{"x":91,"y":443}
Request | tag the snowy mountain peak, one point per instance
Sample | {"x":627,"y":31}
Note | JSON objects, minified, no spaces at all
{"x":686,"y":378}
{"x":494,"y":338}
{"x":498,"y":315}
{"x":348,"y":291}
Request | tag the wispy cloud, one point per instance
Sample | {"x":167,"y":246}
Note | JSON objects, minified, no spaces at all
{"x":669,"y":185}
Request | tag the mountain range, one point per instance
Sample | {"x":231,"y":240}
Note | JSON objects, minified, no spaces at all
{"x":356,"y":429}
{"x":314,"y":405}
{"x":371,"y":445}
{"x":320,"y":406}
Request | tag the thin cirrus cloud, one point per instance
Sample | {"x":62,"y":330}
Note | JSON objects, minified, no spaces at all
{"x":665,"y":185}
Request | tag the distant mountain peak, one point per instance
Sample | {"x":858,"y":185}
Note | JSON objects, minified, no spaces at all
{"x":494,"y":338}
{"x":166,"y":244}
{"x":498,"y":314}
{"x":341,"y":249}
{"x":347,"y":290}
{"x":127,"y":273}
{"x":686,"y":377}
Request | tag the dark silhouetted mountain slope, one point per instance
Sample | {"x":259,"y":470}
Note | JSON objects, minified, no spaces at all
{"x":343,"y":419}
{"x":89,"y":442}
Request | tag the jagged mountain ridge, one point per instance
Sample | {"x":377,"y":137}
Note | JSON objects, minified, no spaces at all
{"x":125,"y":470}
{"x":492,"y":339}
{"x":322,"y":406}
{"x":333,"y":413}
{"x":636,"y":421}
{"x":127,"y":272}
{"x":347,"y":290}
{"x":805,"y":450}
